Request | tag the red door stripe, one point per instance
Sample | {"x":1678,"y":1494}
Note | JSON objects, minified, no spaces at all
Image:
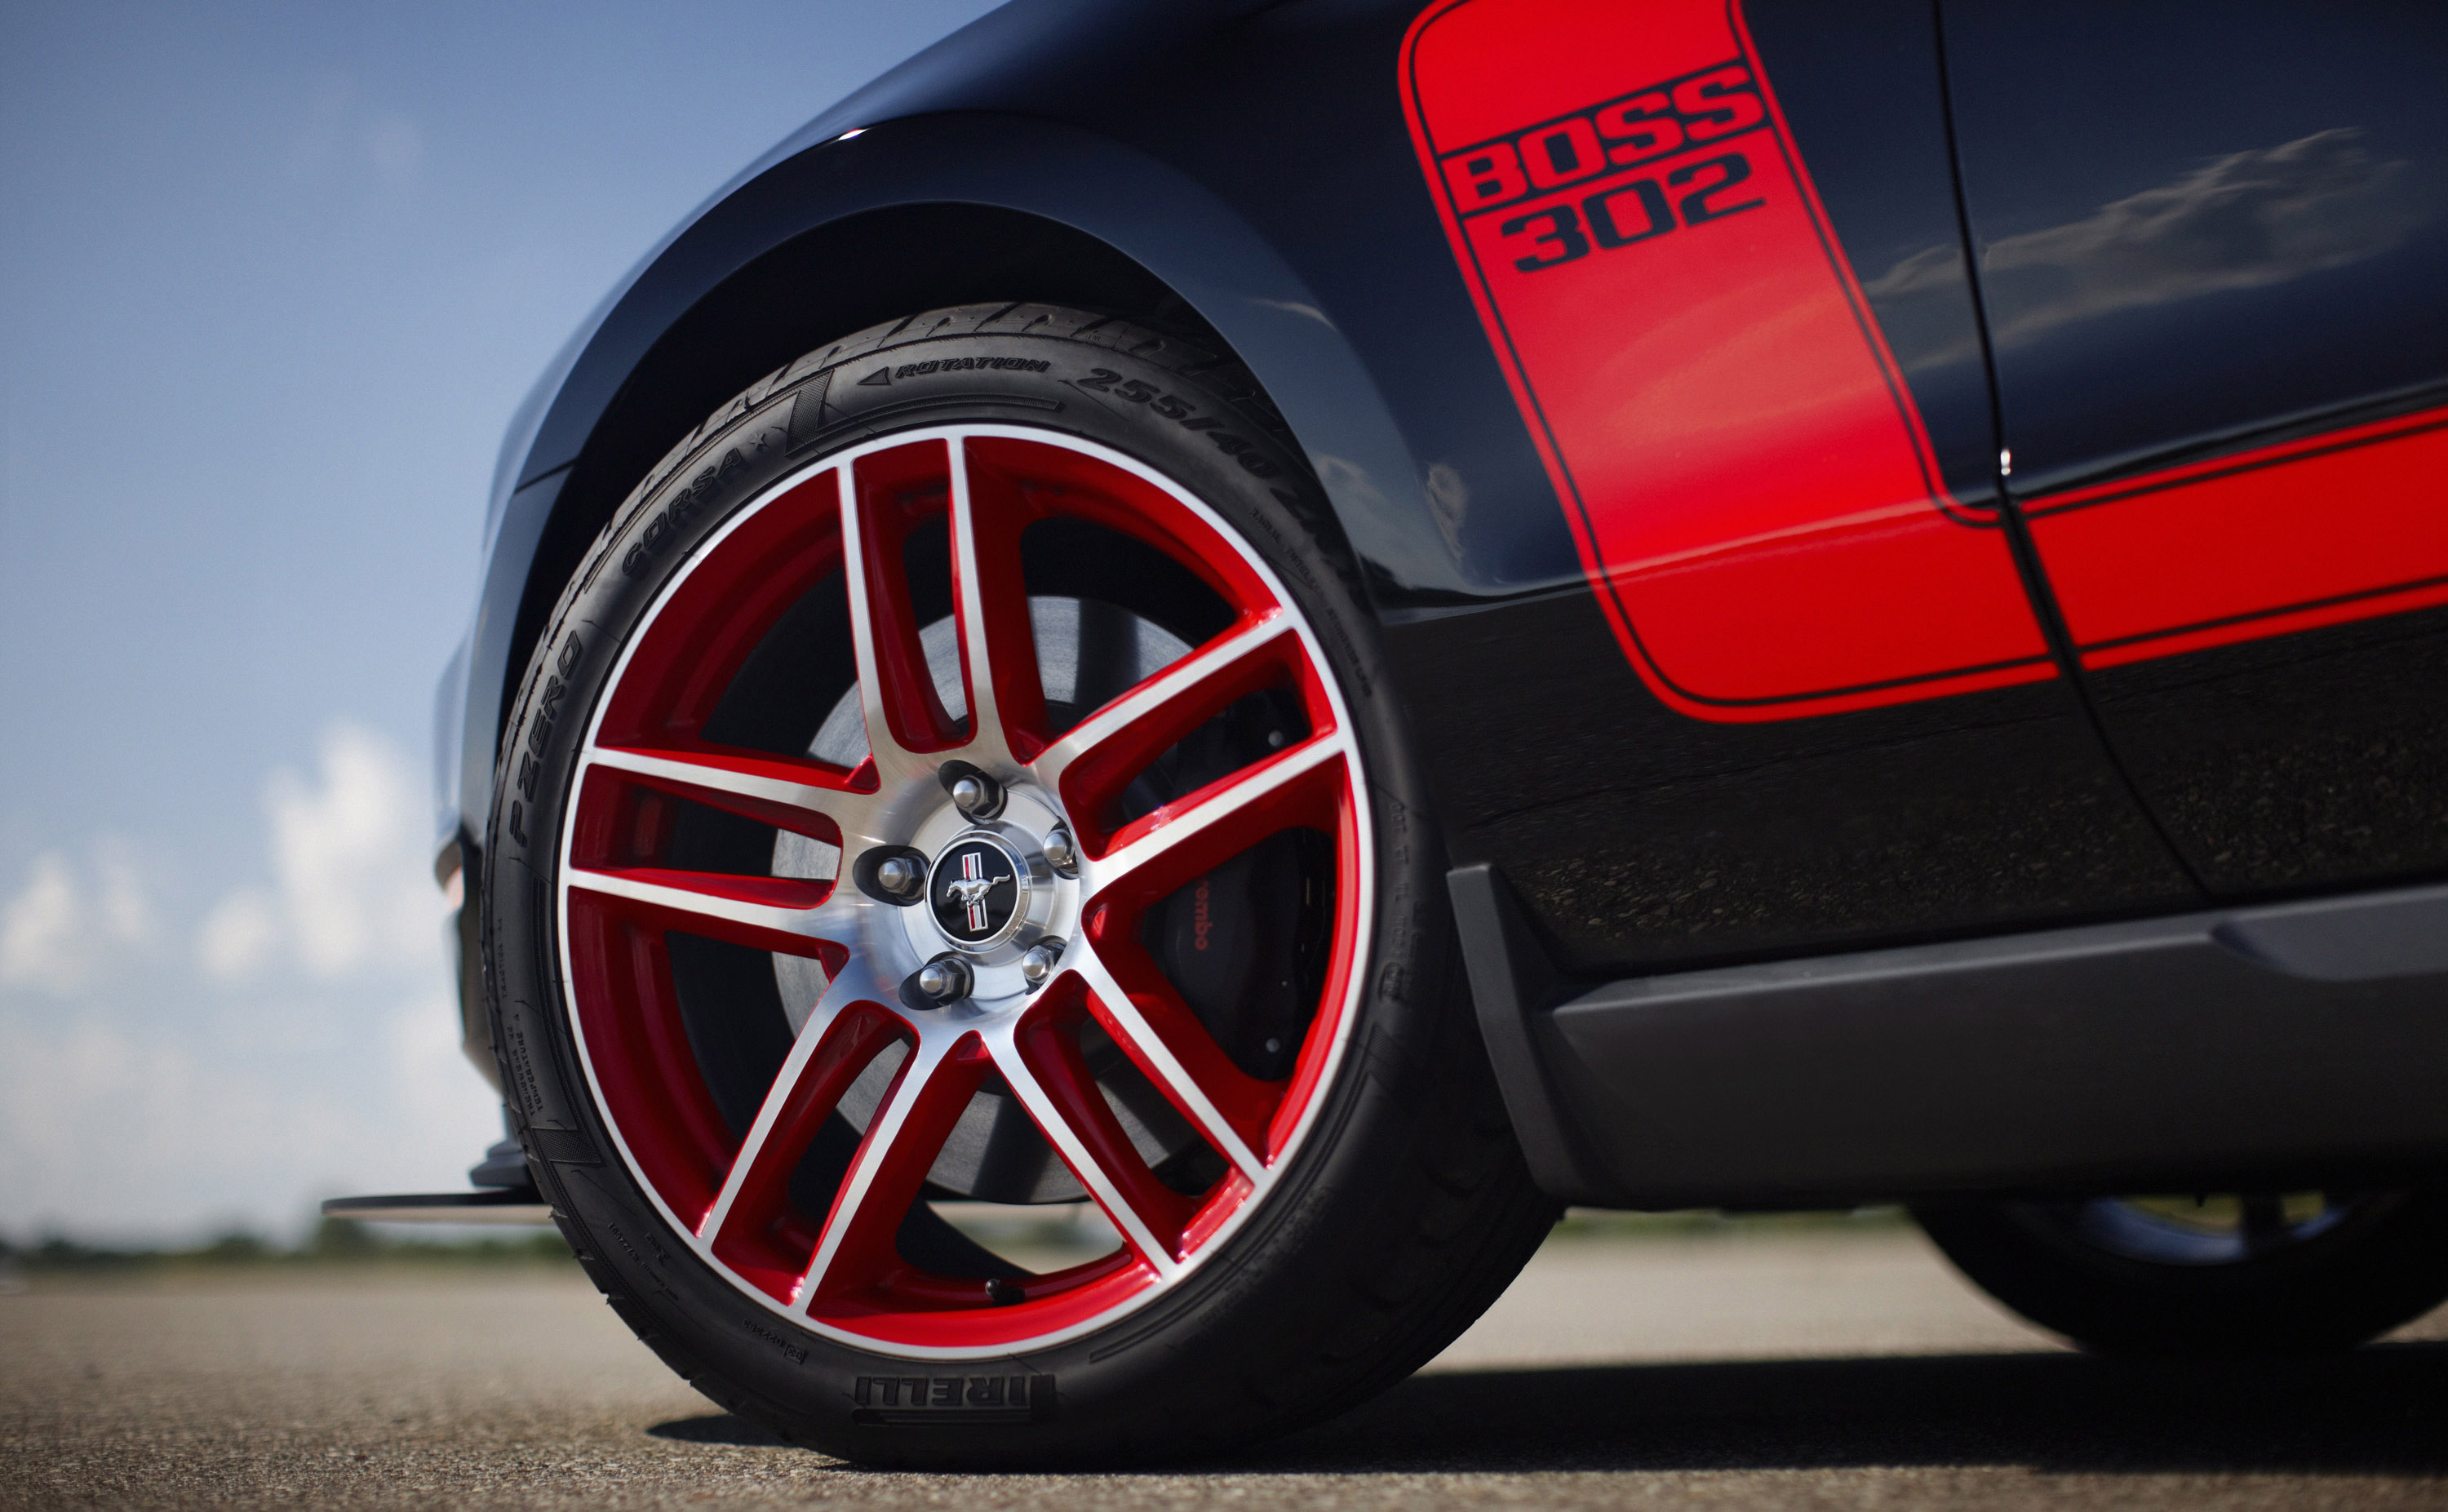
{"x":2346,"y":526}
{"x":1743,"y":469}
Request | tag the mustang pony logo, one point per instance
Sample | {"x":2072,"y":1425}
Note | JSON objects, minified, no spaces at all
{"x":977,"y":890}
{"x":971,"y":889}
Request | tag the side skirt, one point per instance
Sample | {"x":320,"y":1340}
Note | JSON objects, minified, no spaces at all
{"x":2300,"y":1041}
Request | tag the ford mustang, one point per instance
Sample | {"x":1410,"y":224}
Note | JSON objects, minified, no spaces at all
{"x":1325,"y":626}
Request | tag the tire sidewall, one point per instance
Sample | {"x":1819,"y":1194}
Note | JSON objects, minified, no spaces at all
{"x":1225,"y":1333}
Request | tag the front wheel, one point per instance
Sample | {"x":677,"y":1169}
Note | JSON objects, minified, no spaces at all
{"x":2208,"y":1274}
{"x":962,"y":780}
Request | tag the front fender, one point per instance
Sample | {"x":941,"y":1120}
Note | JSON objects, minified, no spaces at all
{"x":1169,"y":224}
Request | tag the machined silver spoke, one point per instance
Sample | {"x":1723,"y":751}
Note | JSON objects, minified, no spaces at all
{"x":894,"y":762}
{"x":1223,"y":806}
{"x":716,"y":900}
{"x":880,"y":1154}
{"x":855,"y":982}
{"x":1171,"y":1076}
{"x":751,"y":785}
{"x":1057,"y":1127}
{"x":979,"y":607}
{"x":1151,"y":699}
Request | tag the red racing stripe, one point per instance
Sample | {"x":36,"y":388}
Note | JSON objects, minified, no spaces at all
{"x":2345,"y":526}
{"x":1744,"y":470}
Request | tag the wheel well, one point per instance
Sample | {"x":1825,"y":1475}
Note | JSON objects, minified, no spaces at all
{"x":838,"y":278}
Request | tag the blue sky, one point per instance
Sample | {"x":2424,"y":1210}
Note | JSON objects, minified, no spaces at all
{"x":272,"y":279}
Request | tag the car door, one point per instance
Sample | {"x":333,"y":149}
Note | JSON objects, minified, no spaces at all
{"x":2211,"y":238}
{"x":1800,"y":697}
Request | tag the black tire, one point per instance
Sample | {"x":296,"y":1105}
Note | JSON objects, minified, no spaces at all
{"x":2382,"y":1263}
{"x":1404,"y":1214}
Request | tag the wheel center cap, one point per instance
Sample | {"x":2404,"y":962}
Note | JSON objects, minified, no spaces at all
{"x":978,"y":889}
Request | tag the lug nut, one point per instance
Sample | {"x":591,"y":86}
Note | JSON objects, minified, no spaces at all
{"x":1060,"y":854}
{"x":944,"y":980}
{"x":891,"y":874}
{"x":973,"y":792}
{"x":1040,"y":962}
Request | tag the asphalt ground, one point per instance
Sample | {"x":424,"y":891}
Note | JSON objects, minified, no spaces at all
{"x":1825,"y":1371}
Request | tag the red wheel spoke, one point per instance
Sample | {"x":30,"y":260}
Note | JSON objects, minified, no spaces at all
{"x":767,"y":913}
{"x":1099,"y":756}
{"x":1042,"y":1065}
{"x":1227,"y":1106}
{"x":896,"y":695}
{"x":856,"y":1249}
{"x":796,"y":795}
{"x":845,"y":1033}
{"x":1162,"y":851}
{"x":1180,"y":1058}
{"x":998,"y":646}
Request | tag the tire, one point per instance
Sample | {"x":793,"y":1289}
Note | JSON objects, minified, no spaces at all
{"x":2123,"y":1275}
{"x":1223,"y":1000}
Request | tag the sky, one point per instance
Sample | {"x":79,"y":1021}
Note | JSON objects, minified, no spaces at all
{"x":272,"y":279}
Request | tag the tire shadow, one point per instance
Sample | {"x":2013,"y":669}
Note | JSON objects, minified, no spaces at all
{"x":2381,"y":1410}
{"x":715,"y":1427}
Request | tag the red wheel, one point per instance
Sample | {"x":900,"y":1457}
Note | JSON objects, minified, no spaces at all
{"x":976,"y":811}
{"x":1019,"y":890}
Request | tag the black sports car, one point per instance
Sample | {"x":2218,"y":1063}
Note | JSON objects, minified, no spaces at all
{"x":1327,"y":625}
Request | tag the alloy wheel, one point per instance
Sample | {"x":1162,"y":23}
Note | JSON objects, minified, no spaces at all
{"x":970,"y":920}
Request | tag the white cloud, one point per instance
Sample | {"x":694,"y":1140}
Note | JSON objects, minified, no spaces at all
{"x":113,"y":1132}
{"x":352,"y":888}
{"x":240,"y":934}
{"x":38,"y":931}
{"x":60,"y":930}
{"x":435,"y":1088}
{"x":315,"y":1053}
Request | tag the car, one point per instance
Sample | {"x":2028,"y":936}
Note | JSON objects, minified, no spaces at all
{"x":1325,"y":627}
